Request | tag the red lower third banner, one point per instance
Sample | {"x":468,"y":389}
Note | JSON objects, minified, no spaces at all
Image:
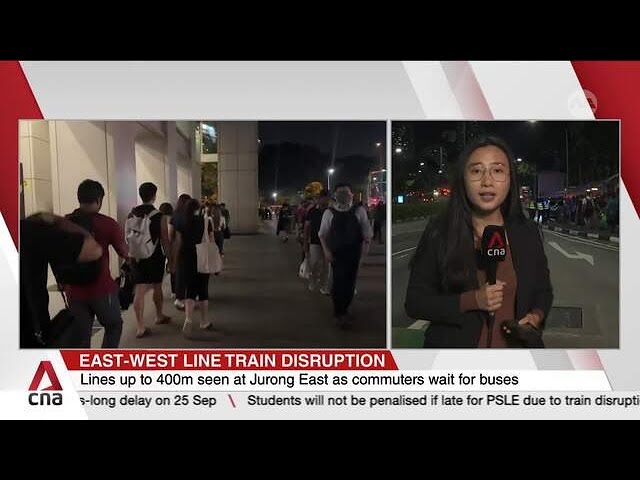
{"x":229,"y":360}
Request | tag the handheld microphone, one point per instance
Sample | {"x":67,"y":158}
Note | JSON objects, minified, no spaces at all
{"x":494,"y":250}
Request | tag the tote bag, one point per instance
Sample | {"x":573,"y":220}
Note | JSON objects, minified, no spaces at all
{"x":208,"y":255}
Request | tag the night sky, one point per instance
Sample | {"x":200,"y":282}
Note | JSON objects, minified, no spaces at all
{"x":593,"y":146}
{"x":300,"y":152}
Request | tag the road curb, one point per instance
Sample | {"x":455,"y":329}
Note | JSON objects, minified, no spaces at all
{"x":579,"y":233}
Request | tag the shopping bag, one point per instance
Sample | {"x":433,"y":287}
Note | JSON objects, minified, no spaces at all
{"x":304,"y":270}
{"x":207,"y":252}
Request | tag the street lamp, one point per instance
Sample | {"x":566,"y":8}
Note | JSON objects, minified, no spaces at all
{"x":274,"y":195}
{"x":329,"y":173}
{"x":379,"y":153}
{"x":518,"y":159}
{"x":398,"y":150}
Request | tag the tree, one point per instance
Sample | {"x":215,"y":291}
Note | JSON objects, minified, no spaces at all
{"x":210,"y":179}
{"x":312,"y":189}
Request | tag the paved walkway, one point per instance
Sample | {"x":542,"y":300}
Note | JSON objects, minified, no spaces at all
{"x":259,"y":302}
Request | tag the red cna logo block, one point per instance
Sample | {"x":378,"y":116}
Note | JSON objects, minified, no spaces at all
{"x":45,"y":367}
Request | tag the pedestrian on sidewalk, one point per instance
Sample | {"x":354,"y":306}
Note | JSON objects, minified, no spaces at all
{"x":319,"y":277}
{"x":284,"y":222}
{"x":188,"y":234}
{"x":97,"y":298}
{"x":177,"y":280}
{"x":345,"y":235}
{"x":448,"y":285}
{"x":47,"y":239}
{"x":166,"y":209}
{"x":227,"y":221}
{"x":214,"y":211}
{"x":148,"y":270}
{"x":379,"y":220}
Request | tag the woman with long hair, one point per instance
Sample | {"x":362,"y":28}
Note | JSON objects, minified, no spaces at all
{"x":448,"y":283}
{"x":177,"y":281}
{"x":188,"y":234}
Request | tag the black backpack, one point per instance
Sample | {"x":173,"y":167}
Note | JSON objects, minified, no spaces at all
{"x":84,"y":273}
{"x":345,"y":231}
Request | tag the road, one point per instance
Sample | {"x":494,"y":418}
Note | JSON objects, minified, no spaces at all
{"x":585,"y":277}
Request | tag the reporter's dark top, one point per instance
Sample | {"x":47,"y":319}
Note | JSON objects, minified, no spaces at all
{"x":455,"y":321}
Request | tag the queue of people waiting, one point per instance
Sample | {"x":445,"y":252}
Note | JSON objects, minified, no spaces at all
{"x":154,"y":242}
{"x":334,"y":234}
{"x":597,"y":212}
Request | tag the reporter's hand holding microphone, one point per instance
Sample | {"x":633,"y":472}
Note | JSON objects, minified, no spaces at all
{"x":489,"y":297}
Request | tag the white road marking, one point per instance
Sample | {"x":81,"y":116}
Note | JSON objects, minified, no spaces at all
{"x":574,"y":256}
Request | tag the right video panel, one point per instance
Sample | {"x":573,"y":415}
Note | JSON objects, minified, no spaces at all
{"x":505,"y":234}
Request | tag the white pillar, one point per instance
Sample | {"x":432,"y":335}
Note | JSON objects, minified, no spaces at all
{"x":151,"y":164}
{"x":171,"y":159}
{"x":35,"y":157}
{"x":79,"y":151}
{"x":238,"y":173}
{"x":121,"y":156}
{"x":196,"y":167}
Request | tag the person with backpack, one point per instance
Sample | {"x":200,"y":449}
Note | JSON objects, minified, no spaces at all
{"x":148,"y":238}
{"x":90,"y":289}
{"x":47,"y":239}
{"x":345,"y":234}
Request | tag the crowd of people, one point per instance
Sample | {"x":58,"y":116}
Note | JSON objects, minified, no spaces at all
{"x":334,"y":234}
{"x":597,"y":212}
{"x":153,"y":243}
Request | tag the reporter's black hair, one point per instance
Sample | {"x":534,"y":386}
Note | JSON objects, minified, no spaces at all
{"x":452,"y":231}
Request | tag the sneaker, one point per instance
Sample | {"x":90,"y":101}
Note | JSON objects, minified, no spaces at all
{"x":187,"y":328}
{"x":179,"y":304}
{"x":145,"y":333}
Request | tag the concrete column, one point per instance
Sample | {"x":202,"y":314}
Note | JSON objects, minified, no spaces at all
{"x":238,"y":173}
{"x":171,"y":159}
{"x":196,"y":167}
{"x":121,"y":157}
{"x":79,"y":151}
{"x":151,"y":164}
{"x":35,"y":157}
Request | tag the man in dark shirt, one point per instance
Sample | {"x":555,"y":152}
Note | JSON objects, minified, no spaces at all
{"x":46,"y":238}
{"x":100,"y":297}
{"x":149,"y":272}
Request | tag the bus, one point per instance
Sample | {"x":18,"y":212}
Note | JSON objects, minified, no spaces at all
{"x":377,"y":187}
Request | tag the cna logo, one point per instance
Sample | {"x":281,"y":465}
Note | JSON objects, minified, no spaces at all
{"x":496,"y":238}
{"x":48,"y":395}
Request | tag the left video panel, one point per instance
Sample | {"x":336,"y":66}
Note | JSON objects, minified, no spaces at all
{"x":202,"y":234}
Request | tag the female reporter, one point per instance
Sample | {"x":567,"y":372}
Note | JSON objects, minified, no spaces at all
{"x":448,"y":284}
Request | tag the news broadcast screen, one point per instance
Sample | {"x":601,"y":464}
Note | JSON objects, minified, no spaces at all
{"x":377,"y":240}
